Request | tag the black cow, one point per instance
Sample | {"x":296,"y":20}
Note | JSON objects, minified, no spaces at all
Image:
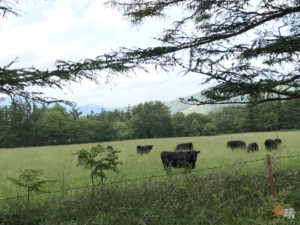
{"x":110,"y":148}
{"x":270,"y":144}
{"x":252,"y":147}
{"x":179,"y":159}
{"x":236,"y":144}
{"x":184,"y":146}
{"x":141,"y":149}
{"x":278,"y":141}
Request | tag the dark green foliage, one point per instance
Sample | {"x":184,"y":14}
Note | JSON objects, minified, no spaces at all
{"x":179,"y":125}
{"x":28,"y":125}
{"x":150,"y":120}
{"x":97,"y":160}
{"x":17,"y":82}
{"x":290,"y":114}
{"x":30,"y":180}
{"x":190,"y":199}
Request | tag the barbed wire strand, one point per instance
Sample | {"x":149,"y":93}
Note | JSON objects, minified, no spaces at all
{"x":154,"y":176}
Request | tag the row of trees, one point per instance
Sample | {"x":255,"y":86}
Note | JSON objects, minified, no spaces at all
{"x":26,"y":124}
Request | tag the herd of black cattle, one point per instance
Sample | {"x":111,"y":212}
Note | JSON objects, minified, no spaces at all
{"x":270,"y":144}
{"x":187,"y":159}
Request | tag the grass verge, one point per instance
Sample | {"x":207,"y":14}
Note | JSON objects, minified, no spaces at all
{"x":222,"y":198}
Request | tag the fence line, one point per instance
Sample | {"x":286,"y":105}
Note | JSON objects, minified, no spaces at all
{"x":286,"y":157}
{"x":158,"y":176}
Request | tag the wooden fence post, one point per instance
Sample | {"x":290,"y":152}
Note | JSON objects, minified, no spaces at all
{"x":271,"y":180}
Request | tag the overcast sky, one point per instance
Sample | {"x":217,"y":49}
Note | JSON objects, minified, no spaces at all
{"x":77,"y":29}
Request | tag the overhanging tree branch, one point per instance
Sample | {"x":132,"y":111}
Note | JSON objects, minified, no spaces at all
{"x":9,"y":7}
{"x":213,"y":46}
{"x":246,"y":47}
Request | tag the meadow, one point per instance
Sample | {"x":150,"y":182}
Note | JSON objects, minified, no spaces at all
{"x":59,"y":162}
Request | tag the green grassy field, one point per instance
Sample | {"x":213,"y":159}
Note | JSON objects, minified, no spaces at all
{"x":59,"y":163}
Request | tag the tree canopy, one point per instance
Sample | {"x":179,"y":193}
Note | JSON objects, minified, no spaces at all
{"x":243,"y":48}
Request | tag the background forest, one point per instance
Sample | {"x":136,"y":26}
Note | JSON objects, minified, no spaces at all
{"x":29,"y":124}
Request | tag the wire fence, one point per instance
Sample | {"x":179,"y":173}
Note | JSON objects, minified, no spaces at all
{"x":276,"y":172}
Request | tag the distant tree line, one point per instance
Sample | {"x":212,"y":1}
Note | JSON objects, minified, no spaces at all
{"x":27,"y":124}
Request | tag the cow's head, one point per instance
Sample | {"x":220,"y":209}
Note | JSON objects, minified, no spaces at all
{"x":194,"y":155}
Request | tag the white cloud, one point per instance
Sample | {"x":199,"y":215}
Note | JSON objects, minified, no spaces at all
{"x":97,"y":12}
{"x":137,"y":89}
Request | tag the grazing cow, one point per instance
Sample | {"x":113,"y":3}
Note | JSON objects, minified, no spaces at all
{"x":278,"y":141}
{"x":179,"y":159}
{"x":236,"y":144}
{"x":141,"y":149}
{"x":109,"y":147}
{"x":252,"y":147}
{"x":270,"y":144}
{"x":184,"y":146}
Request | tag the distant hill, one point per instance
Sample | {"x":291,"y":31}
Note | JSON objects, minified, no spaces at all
{"x":177,"y":106}
{"x":86,"y":109}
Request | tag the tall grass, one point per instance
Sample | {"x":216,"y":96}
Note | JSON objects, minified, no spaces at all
{"x":59,"y":163}
{"x":214,"y":199}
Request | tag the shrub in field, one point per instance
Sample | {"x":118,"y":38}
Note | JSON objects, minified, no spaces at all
{"x":31,"y":181}
{"x":97,"y":160}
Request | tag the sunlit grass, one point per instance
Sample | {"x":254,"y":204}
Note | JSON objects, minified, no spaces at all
{"x":59,"y":163}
